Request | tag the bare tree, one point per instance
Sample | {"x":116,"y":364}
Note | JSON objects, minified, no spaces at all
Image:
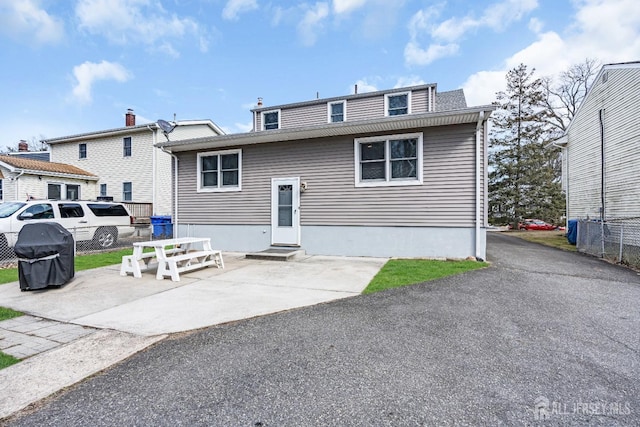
{"x":564,"y":95}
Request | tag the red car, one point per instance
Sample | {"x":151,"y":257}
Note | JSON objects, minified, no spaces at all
{"x":536,"y":224}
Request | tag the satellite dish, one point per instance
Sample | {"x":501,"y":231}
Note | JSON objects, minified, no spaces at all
{"x":166,"y":126}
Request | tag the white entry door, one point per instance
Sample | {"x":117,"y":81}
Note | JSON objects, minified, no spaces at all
{"x":285,"y":211}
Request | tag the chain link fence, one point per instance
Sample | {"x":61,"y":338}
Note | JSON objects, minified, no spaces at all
{"x":89,"y":240}
{"x":617,"y":240}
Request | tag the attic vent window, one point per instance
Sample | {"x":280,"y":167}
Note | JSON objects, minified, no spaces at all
{"x":605,"y":77}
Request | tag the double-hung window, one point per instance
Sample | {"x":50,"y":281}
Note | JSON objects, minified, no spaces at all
{"x":126,"y":146}
{"x":127,"y":191}
{"x":220,"y":171}
{"x":337,"y":111}
{"x":391,"y":160}
{"x":397,"y":104}
{"x":82,"y":151}
{"x":271,"y":119}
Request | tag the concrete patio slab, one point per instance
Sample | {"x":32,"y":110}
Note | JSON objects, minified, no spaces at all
{"x":244,"y":288}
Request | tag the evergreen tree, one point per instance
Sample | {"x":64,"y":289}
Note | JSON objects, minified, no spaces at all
{"x":523,"y":182}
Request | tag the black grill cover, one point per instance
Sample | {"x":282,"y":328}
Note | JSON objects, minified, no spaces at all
{"x":46,"y":255}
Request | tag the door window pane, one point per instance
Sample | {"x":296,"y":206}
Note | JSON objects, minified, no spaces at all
{"x":285,"y":205}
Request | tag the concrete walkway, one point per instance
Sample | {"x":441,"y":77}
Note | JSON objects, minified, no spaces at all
{"x":101,"y":318}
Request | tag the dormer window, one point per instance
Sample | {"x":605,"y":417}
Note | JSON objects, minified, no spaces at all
{"x":271,"y":120}
{"x":396,"y":104}
{"x":337,"y":111}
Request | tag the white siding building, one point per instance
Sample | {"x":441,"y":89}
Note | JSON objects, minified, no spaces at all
{"x":129,"y":167}
{"x":601,"y":148}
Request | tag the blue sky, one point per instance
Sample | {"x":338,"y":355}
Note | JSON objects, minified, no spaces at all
{"x":74,"y":66}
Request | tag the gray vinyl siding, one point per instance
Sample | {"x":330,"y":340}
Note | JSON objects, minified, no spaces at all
{"x":365,"y":108}
{"x":619,"y":96}
{"x":362,"y":108}
{"x":304,"y":116}
{"x":419,"y":101}
{"x":446,"y":199}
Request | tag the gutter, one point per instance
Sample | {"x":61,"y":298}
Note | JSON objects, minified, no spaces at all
{"x":479,"y":145}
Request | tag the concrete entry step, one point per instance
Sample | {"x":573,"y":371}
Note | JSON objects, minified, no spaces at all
{"x":276,"y":253}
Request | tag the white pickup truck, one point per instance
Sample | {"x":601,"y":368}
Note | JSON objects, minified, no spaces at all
{"x":100,"y":222}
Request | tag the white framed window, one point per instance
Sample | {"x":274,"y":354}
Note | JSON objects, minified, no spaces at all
{"x":397,"y":104}
{"x":220,"y":171}
{"x":103,"y":190}
{"x":82,"y":151}
{"x":126,"y":146}
{"x":271,"y":120}
{"x":127,"y":191}
{"x":389,"y":160}
{"x":336,"y":111}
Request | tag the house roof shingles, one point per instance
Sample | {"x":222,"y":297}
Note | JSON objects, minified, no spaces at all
{"x":44,"y":167}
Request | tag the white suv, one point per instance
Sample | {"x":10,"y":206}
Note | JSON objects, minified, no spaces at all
{"x":100,"y":222}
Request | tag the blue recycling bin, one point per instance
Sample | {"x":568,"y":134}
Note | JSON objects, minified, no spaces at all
{"x":572,"y":231}
{"x":162,"y":227}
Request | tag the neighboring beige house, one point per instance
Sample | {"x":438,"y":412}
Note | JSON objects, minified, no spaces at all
{"x":601,"y":148}
{"x":128,"y":165}
{"x":22,"y":179}
{"x":399,"y":172}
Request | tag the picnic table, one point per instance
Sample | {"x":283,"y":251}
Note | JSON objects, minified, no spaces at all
{"x":173,"y":256}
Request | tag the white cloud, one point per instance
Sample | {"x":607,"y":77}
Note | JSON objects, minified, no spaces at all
{"x":233,"y":8}
{"x":586,"y":37}
{"x":346,"y":6}
{"x":133,"y":21}
{"x":364,"y":86}
{"x":414,"y":54}
{"x":26,"y":19}
{"x":444,"y":36}
{"x":407,"y":81}
{"x":312,"y":23}
{"x":87,"y":73}
{"x":536,"y":25}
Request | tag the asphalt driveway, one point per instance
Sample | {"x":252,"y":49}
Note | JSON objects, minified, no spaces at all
{"x":542,"y":337}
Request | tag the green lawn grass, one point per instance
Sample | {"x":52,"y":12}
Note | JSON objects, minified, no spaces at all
{"x":7,"y":313}
{"x":556,"y":239}
{"x":7,"y":360}
{"x":402,"y":272}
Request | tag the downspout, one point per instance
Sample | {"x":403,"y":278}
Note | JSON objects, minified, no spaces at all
{"x":603,"y":187}
{"x":479,"y":145}
{"x":175,"y":196}
{"x":153,"y":169}
{"x":16,"y":181}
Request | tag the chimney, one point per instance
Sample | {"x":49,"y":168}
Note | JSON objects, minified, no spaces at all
{"x":130,"y":118}
{"x":259,"y":102}
{"x":23,"y":145}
